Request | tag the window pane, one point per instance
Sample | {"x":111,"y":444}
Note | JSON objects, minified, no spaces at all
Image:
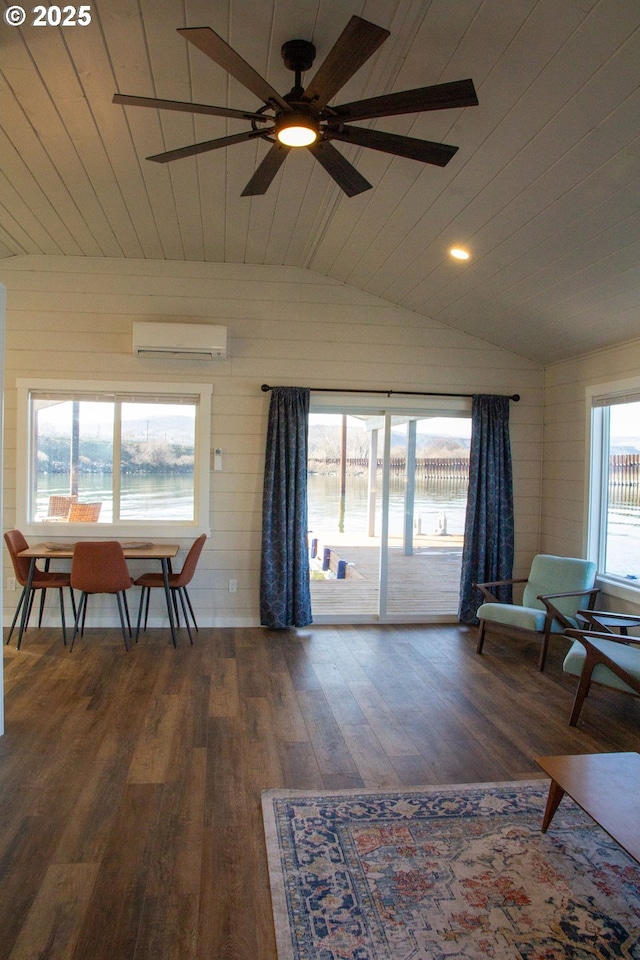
{"x":157,"y":461}
{"x":73,"y":457}
{"x":623,"y":511}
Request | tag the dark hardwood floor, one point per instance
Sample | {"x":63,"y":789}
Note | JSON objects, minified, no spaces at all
{"x":130,"y":823}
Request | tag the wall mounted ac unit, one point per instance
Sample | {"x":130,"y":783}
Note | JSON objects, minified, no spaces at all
{"x":179,"y":341}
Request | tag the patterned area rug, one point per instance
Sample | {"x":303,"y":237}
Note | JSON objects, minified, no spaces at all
{"x":446,"y":872}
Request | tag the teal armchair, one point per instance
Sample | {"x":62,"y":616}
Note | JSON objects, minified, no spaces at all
{"x":613,"y":661}
{"x":556,"y":588}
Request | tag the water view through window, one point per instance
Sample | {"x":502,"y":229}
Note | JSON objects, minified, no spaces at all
{"x":136,"y":460}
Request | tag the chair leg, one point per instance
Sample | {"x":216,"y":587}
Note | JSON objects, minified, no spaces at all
{"x":17,"y":613}
{"x":73,"y":602}
{"x":143,"y":591}
{"x":482,"y":626}
{"x":543,"y":653}
{"x":64,"y":626}
{"x":122,"y":606}
{"x":79,"y":621}
{"x":581,"y":694}
{"x":41,"y":612}
{"x":126,"y":609}
{"x":146,"y":608}
{"x":548,"y":623}
{"x":29,"y":601}
{"x":193,"y":616}
{"x":179,"y":591}
{"x":176,"y":612}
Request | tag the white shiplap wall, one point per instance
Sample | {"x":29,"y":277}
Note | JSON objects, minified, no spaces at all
{"x":71,"y":317}
{"x":565,"y":479}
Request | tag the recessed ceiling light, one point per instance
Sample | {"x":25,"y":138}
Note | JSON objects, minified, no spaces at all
{"x":459,"y":253}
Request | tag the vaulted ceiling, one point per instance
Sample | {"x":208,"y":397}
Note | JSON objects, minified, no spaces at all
{"x":544,"y":189}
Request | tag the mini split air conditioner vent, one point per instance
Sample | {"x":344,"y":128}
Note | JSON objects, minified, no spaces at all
{"x":179,"y":341}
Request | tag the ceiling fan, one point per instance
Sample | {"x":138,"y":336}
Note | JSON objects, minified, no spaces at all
{"x":304,"y":118}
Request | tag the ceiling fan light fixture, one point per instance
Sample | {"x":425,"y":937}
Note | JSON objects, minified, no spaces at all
{"x":297,"y":130}
{"x":459,"y":253}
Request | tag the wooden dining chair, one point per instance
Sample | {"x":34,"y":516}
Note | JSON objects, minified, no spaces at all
{"x":42,"y":580}
{"x":100,"y":567}
{"x":178,"y":583}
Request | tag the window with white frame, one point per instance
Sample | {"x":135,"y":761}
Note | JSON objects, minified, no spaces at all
{"x":122,"y":456}
{"x":614,"y":503}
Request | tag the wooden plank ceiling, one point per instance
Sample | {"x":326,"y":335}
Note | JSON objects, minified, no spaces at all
{"x":543,"y":189}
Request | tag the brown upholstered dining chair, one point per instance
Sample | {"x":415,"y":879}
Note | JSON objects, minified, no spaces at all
{"x":178,"y":583}
{"x":42,"y":580}
{"x":100,"y":567}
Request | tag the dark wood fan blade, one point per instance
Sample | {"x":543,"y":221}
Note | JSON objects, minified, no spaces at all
{"x":441,"y":96}
{"x":357,"y":42}
{"x":424,"y":150}
{"x":206,"y":145}
{"x":266,"y":171}
{"x":128,"y":101}
{"x":338,"y":167}
{"x":207,"y":40}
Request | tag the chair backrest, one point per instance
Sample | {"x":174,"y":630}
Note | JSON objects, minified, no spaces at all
{"x":59,"y":505}
{"x":16,"y":542}
{"x":191,"y":561}
{"x":84,"y":512}
{"x":551,"y":574}
{"x":99,"y":567}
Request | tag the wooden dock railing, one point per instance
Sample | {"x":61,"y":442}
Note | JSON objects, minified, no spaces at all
{"x":430,"y":468}
{"x":624,"y":470}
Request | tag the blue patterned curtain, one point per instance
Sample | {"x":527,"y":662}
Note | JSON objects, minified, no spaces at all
{"x":487,"y":553}
{"x":285,"y":597}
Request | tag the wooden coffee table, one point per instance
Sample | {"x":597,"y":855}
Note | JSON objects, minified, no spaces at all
{"x":605,"y":785}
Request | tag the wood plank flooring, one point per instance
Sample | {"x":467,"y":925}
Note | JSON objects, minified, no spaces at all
{"x":130,"y":782}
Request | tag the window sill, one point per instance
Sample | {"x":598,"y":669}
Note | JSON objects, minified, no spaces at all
{"x":630,"y":592}
{"x":162,"y":530}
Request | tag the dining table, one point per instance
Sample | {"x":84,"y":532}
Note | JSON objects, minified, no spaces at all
{"x":132,"y":549}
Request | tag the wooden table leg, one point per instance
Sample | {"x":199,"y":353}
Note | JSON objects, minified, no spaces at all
{"x":556,"y":793}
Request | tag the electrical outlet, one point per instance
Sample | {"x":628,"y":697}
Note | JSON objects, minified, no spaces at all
{"x":233,"y":586}
{"x":11,"y":583}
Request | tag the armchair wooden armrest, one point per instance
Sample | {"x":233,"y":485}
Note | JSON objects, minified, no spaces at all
{"x":553,"y":611}
{"x":609,"y":621}
{"x":488,"y":596}
{"x":585,"y":635}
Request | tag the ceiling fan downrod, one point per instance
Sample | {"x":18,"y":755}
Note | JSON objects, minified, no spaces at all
{"x":298,"y":56}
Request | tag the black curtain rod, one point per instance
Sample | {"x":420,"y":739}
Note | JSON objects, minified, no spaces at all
{"x":388,"y":393}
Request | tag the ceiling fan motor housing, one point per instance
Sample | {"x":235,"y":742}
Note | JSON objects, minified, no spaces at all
{"x":298,"y":55}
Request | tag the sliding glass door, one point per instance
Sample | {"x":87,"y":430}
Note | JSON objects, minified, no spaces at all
{"x":387,"y":499}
